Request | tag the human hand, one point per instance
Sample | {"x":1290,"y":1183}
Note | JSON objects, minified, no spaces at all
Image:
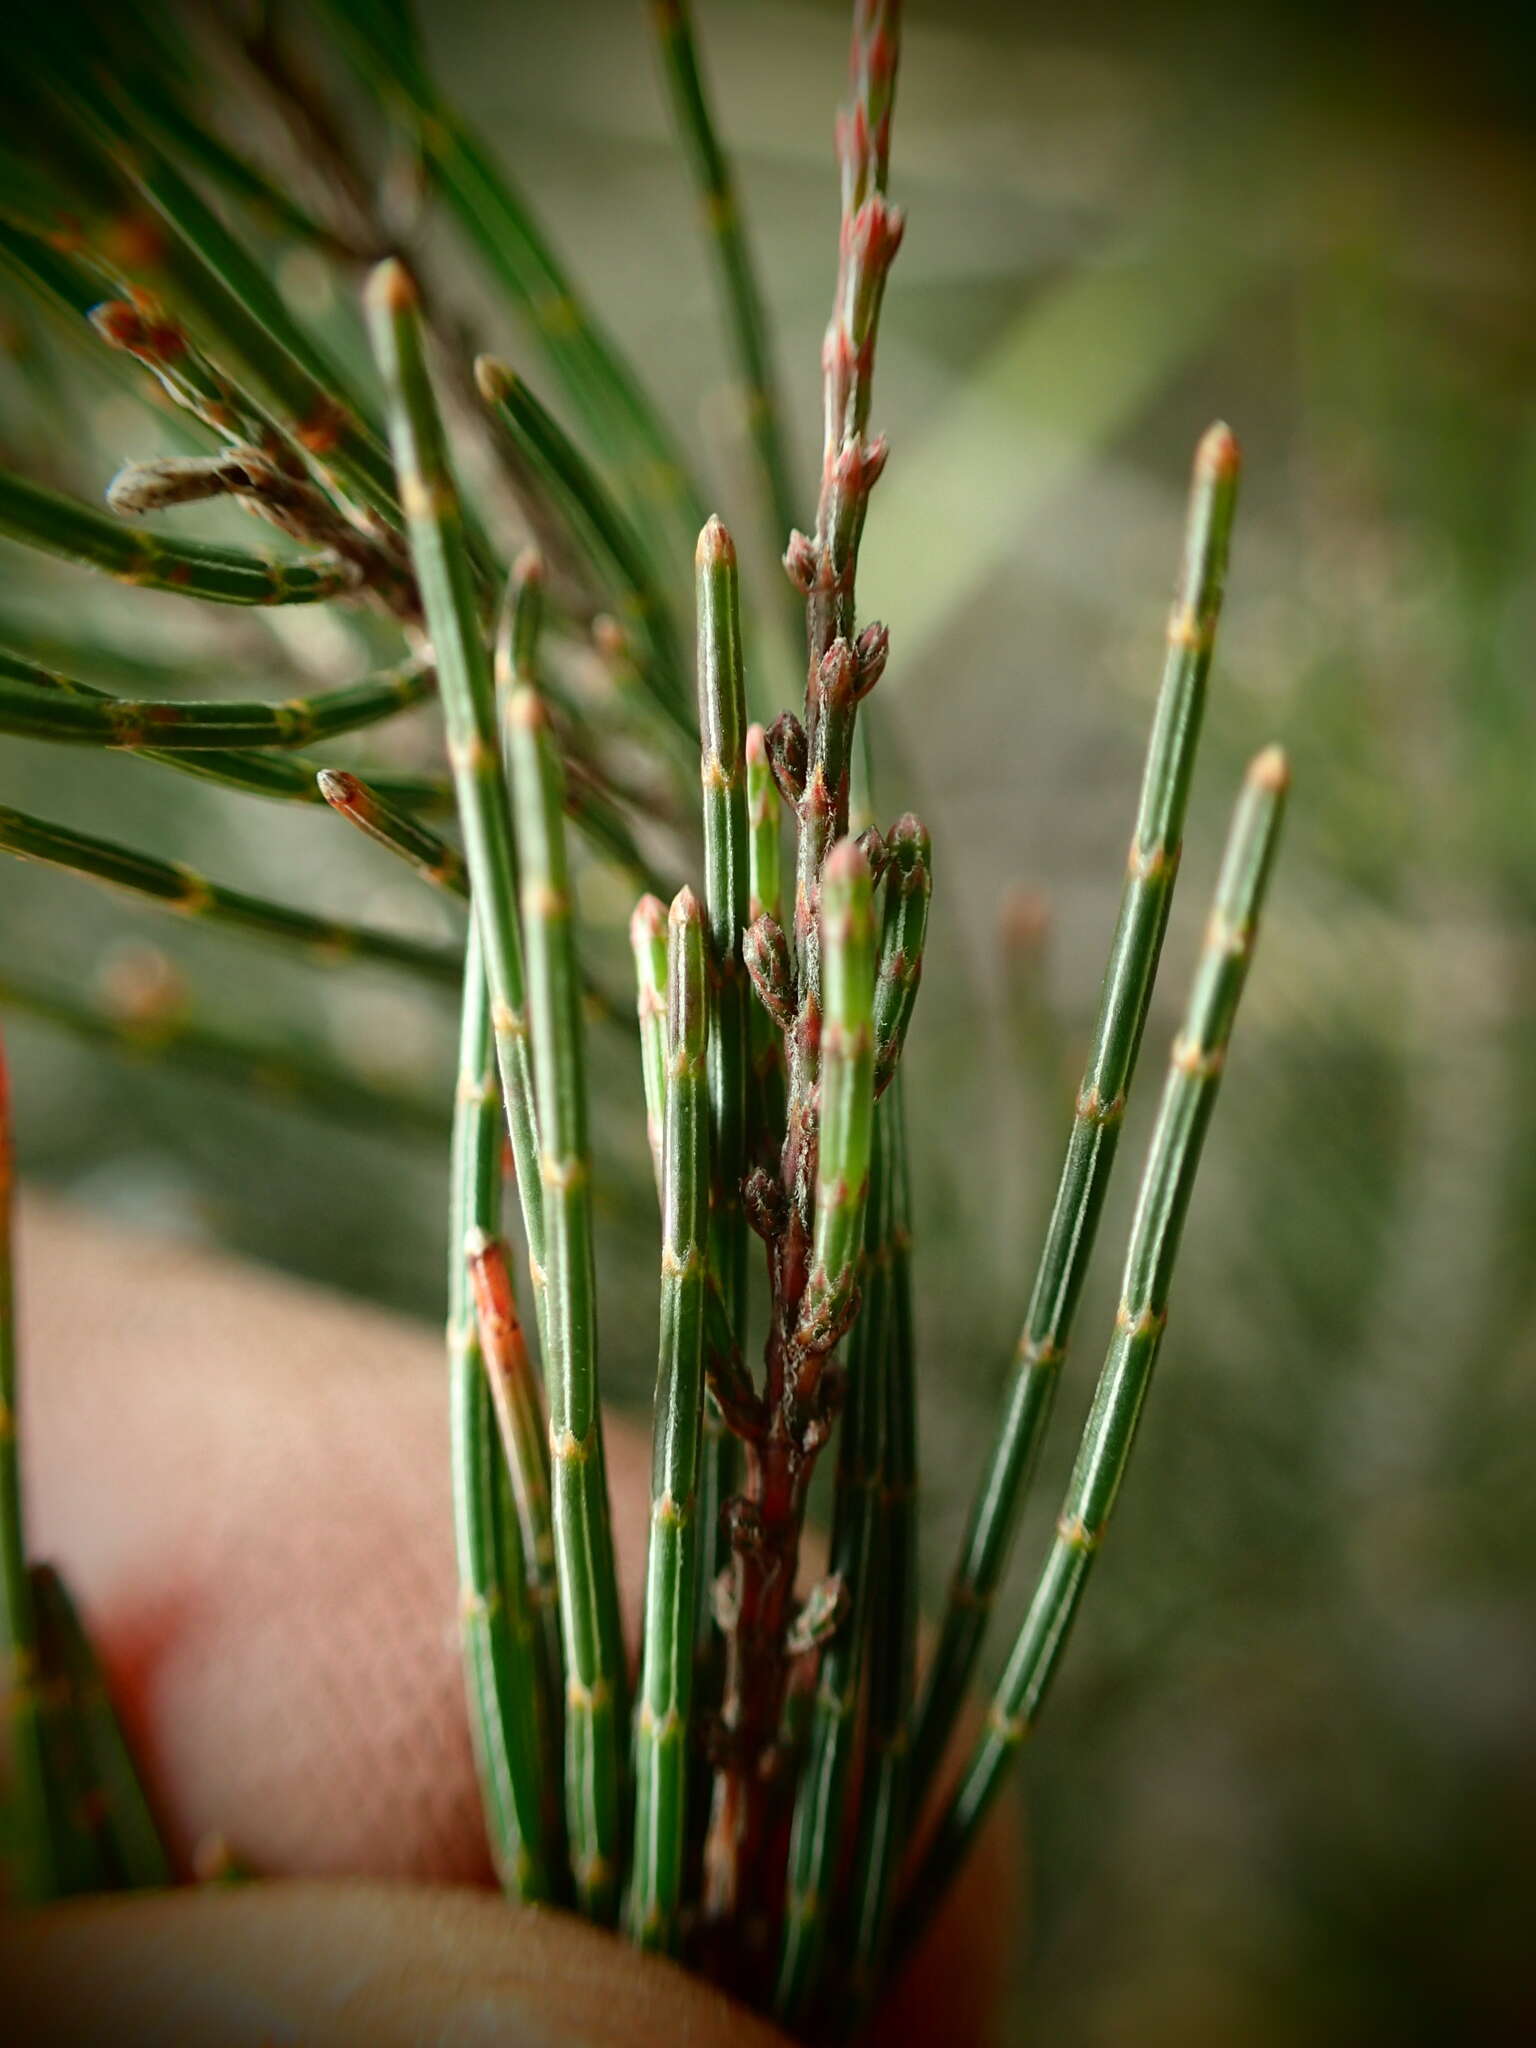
{"x":245,"y":1482}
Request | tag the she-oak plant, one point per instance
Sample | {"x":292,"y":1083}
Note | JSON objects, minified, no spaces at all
{"x":749,"y":1797}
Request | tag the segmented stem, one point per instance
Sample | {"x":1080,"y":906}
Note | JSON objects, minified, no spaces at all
{"x":519,"y":1407}
{"x":734,"y":271}
{"x":812,"y":1298}
{"x":141,"y":212}
{"x":496,"y":1619}
{"x":906,"y":889}
{"x":182,"y":889}
{"x":288,"y":778}
{"x":603,"y":529}
{"x":820,"y":1830}
{"x":1123,"y":1004}
{"x":600,"y":386}
{"x":893,"y":1621}
{"x":446,"y":580}
{"x":722,"y":770}
{"x":672,"y":1571}
{"x":764,"y":899}
{"x":594,"y":1653}
{"x":648,"y":944}
{"x":38,"y":704}
{"x":1168,"y":1178}
{"x":57,"y":525}
{"x":847,"y":1092}
{"x":395,"y":829}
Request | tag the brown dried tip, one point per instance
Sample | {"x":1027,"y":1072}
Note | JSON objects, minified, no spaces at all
{"x":648,"y":920}
{"x":528,"y":568}
{"x":391,"y":287}
{"x":1270,"y":770}
{"x":494,"y":379}
{"x":716,"y":549}
{"x":339,"y":788}
{"x":119,"y":323}
{"x":685,"y":907}
{"x":1218,"y":454}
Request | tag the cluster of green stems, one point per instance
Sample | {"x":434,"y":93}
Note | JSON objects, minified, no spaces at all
{"x":748,"y":1795}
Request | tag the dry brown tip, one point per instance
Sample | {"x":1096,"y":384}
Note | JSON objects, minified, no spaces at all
{"x":392,"y":288}
{"x":648,"y":920}
{"x":529,"y":567}
{"x":1218,"y":455}
{"x":338,"y":787}
{"x":685,"y":908}
{"x":716,"y":549}
{"x":1270,"y":770}
{"x":493,"y":379}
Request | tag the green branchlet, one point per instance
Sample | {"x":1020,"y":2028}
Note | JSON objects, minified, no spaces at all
{"x":648,"y":946}
{"x":56,"y":525}
{"x":672,"y":1573}
{"x":497,"y":1625}
{"x":594,"y":1652}
{"x":847,"y":1094}
{"x":182,"y":889}
{"x":448,"y":591}
{"x":1123,"y":1003}
{"x":906,"y":886}
{"x":1168,"y":1178}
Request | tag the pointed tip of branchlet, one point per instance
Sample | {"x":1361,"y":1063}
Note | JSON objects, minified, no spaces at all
{"x":526,"y":709}
{"x":119,"y":322}
{"x":756,"y":747}
{"x":339,"y":789}
{"x":1218,"y":456}
{"x":493,"y":379}
{"x":846,"y":864}
{"x":716,"y":549}
{"x":391,"y":287}
{"x":648,"y":920}
{"x":686,"y":908}
{"x":528,"y":568}
{"x":908,"y":840}
{"x":1270,"y":771}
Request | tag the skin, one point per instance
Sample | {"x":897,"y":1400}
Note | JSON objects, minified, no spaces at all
{"x":245,"y":1481}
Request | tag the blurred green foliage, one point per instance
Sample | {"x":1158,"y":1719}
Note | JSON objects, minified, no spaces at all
{"x":1287,"y":1789}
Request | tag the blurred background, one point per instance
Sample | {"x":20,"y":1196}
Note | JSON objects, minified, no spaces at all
{"x":1286,"y":1791}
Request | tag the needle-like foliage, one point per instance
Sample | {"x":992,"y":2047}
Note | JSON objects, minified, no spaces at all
{"x":757,"y":1815}
{"x":666,"y":1661}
